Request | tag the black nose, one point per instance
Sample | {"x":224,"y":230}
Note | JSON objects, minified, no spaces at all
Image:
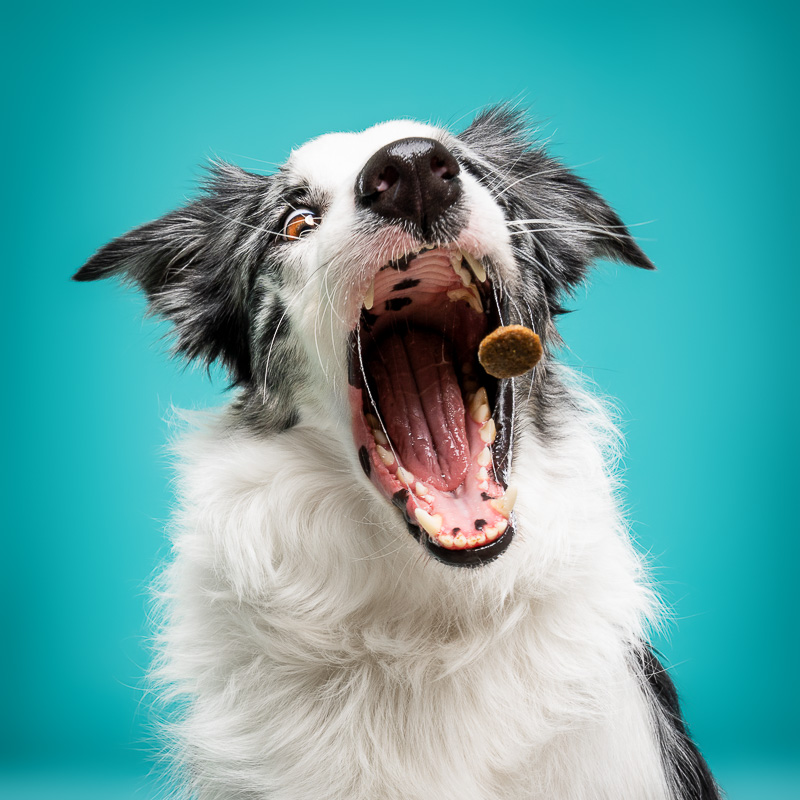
{"x":411,"y":179}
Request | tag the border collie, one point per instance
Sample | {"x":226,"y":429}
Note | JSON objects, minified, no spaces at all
{"x":315,"y":649}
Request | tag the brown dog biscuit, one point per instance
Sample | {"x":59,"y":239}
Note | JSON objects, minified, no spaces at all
{"x":510,"y":351}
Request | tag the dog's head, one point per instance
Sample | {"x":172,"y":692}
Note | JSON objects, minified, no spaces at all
{"x":351,"y":289}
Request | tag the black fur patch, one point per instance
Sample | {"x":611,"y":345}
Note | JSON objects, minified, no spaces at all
{"x":685,"y":767}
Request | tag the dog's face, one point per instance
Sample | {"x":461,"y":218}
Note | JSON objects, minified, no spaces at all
{"x":351,"y":289}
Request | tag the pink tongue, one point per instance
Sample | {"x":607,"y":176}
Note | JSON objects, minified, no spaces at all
{"x":420,"y":402}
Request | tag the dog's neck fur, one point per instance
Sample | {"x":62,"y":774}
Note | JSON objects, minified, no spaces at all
{"x":323,"y":652}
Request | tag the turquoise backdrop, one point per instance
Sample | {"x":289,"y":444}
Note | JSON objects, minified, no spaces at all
{"x":683,"y":115}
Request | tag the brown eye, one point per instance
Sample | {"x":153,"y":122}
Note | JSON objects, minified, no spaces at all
{"x":299,"y":222}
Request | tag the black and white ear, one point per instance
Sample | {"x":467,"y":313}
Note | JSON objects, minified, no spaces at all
{"x":591,"y":228}
{"x":195,"y":266}
{"x":564,"y":222}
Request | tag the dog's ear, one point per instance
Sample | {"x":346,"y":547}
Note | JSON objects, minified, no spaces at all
{"x":195,"y":265}
{"x":564,"y":222}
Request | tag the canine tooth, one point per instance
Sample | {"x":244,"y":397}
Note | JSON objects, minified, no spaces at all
{"x":420,"y":490}
{"x":483,"y":475}
{"x":430,"y":523}
{"x":404,"y":476}
{"x":505,"y":504}
{"x":476,"y":266}
{"x":369,"y":297}
{"x":484,"y":457}
{"x":469,"y":294}
{"x":458,"y":268}
{"x":488,"y":431}
{"x":385,"y":456}
{"x":475,"y":300}
{"x":380,"y":437}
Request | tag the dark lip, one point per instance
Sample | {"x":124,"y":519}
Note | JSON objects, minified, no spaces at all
{"x":505,"y":407}
{"x":471,"y":557}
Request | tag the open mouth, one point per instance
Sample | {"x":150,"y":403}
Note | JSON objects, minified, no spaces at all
{"x":432,"y":428}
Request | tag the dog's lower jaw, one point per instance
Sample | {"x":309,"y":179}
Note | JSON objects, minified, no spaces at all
{"x":322,"y":654}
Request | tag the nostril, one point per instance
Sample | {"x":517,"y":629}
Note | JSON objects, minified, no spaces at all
{"x":441,"y":169}
{"x":386,"y":179}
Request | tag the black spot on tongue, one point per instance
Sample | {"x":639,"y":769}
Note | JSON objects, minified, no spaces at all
{"x":420,"y":401}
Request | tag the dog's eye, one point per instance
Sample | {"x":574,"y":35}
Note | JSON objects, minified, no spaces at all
{"x":299,"y":222}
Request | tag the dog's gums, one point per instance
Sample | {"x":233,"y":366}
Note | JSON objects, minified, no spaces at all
{"x":425,"y":413}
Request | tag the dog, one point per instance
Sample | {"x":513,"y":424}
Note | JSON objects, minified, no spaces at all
{"x":313,"y":647}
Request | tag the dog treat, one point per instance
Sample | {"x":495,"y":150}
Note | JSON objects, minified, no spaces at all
{"x":510,"y":351}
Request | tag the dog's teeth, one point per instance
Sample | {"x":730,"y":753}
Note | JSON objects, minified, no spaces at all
{"x":476,"y":266}
{"x":501,"y":526}
{"x":477,"y":539}
{"x":458,"y":268}
{"x":369,"y":297}
{"x":404,"y":476}
{"x":430,"y":523}
{"x":476,"y":298}
{"x":372,"y":421}
{"x":385,"y":456}
{"x":420,"y":489}
{"x":446,"y":540}
{"x":505,"y":504}
{"x":460,"y":540}
{"x":483,"y":475}
{"x":488,"y":431}
{"x":484,"y":457}
{"x":469,"y":294}
{"x":479,"y":406}
{"x":481,"y":414}
{"x":380,"y":437}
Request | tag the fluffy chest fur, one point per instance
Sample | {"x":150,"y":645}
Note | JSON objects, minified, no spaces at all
{"x":325,"y":657}
{"x":313,"y":647}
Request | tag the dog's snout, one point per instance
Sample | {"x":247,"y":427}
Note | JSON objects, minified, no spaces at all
{"x":413,"y":180}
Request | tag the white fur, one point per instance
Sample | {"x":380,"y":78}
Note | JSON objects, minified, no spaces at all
{"x":320,"y":654}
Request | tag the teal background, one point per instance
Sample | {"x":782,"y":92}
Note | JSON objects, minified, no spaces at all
{"x":683,"y":115}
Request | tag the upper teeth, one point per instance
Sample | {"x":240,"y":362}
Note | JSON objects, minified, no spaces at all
{"x":369,"y":297}
{"x":476,"y":266}
{"x":456,"y":264}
